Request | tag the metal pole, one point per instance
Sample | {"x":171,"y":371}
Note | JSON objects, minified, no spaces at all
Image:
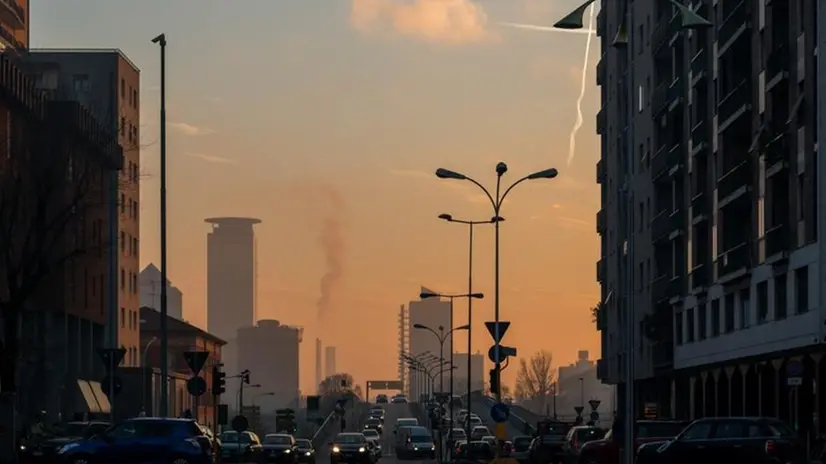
{"x":498,"y":366}
{"x":452,"y":333}
{"x":469,"y":320}
{"x":164,"y":310}
{"x":241,"y":397}
{"x":582,"y":392}
{"x":441,"y":360}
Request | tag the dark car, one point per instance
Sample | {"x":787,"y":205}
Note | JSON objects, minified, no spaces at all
{"x":351,"y":448}
{"x":279,"y":447}
{"x":607,"y":449}
{"x":373,"y":423}
{"x":753,"y":440}
{"x":306,"y":452}
{"x":44,"y":450}
{"x":476,"y":451}
{"x":146,"y":439}
{"x":521,"y":445}
{"x":577,"y":437}
{"x":240,"y":447}
{"x":381,"y":399}
{"x":399,"y":399}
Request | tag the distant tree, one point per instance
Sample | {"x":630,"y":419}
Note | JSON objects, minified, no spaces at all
{"x":339,"y":384}
{"x":535,"y":380}
{"x":595,"y":313}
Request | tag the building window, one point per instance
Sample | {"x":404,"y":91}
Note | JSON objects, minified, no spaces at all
{"x":679,"y":328}
{"x":715,"y":318}
{"x":122,"y":203}
{"x":122,"y":279}
{"x":689,"y":323}
{"x":122,"y":88}
{"x":80,"y":83}
{"x":762,"y":302}
{"x":702,"y":322}
{"x":122,"y":241}
{"x":745,"y":308}
{"x":728,"y":327}
{"x":780,"y":298}
{"x":122,"y":126}
{"x":122,"y":317}
{"x":801,"y":289}
{"x":134,"y":98}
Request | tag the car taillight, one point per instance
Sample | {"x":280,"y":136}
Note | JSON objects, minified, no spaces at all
{"x":770,"y":447}
{"x":576,"y":444}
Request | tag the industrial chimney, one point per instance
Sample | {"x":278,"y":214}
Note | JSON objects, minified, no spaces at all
{"x":318,"y":366}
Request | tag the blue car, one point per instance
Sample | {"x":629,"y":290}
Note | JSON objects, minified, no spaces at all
{"x":143,"y":440}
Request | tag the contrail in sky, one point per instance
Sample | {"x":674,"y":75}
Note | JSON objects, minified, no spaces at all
{"x":533,"y":27}
{"x":578,"y":122}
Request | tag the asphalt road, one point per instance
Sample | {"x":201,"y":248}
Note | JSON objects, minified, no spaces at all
{"x":392,"y":412}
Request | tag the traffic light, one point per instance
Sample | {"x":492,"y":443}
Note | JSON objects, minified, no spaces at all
{"x":245,"y":377}
{"x":494,"y":381}
{"x":219,"y":381}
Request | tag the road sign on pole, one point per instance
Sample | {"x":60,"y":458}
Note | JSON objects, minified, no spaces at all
{"x":594,"y":404}
{"x":500,"y":413}
{"x":504,"y":353}
{"x":111,"y":357}
{"x":111,"y":386}
{"x":240,"y":424}
{"x":196,"y":386}
{"x":579,"y":410}
{"x":499,"y":334}
{"x":196,"y":360}
{"x":794,"y":373}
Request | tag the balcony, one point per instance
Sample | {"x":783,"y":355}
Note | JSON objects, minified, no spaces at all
{"x":698,"y":65}
{"x":698,"y":277}
{"x":12,"y":14}
{"x":699,"y":137}
{"x":663,"y":31}
{"x":601,"y":70}
{"x":659,"y":225}
{"x":601,"y":318}
{"x":774,"y":243}
{"x":734,"y":103}
{"x":600,"y":23}
{"x":601,"y":121}
{"x":734,"y":182}
{"x":600,"y":172}
{"x":664,"y":160}
{"x":777,"y":66}
{"x":777,"y":150}
{"x":733,"y":26}
{"x":665,"y":287}
{"x":699,"y":205}
{"x":602,"y":369}
{"x":673,"y":93}
{"x":732,"y":260}
{"x":601,"y":221}
{"x":600,"y":270}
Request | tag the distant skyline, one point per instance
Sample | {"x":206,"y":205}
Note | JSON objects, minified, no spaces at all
{"x":272,"y":104}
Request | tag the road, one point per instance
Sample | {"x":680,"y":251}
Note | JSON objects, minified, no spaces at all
{"x":392,"y":412}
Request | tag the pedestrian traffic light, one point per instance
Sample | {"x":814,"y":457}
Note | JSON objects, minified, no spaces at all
{"x":494,"y":381}
{"x":219,"y":381}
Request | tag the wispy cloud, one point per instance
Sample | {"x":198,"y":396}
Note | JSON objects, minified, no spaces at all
{"x":537,"y":28}
{"x":439,"y":21}
{"x":575,"y":223}
{"x":211,"y":158}
{"x":189,"y":129}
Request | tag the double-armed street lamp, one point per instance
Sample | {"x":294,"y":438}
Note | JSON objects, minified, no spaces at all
{"x":496,"y":201}
{"x":470,"y":297}
{"x":441,"y":335}
{"x":624,"y":39}
{"x":425,"y":363}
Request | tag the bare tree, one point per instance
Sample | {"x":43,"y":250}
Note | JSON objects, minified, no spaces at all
{"x":52,"y":207}
{"x":535,"y":379}
{"x":336,"y":384}
{"x":595,"y":313}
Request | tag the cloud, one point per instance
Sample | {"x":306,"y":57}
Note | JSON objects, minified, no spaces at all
{"x":453,"y":22}
{"x":189,"y":129}
{"x":211,"y":158}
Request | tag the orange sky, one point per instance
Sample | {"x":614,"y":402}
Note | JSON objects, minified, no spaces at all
{"x":271,"y":104}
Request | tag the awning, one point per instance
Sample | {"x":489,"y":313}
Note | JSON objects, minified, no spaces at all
{"x":88,"y":396}
{"x":102,"y":399}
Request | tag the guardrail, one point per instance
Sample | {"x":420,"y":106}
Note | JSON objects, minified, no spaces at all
{"x":517,"y":416}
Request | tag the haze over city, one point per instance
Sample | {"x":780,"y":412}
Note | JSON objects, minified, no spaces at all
{"x":272,"y":104}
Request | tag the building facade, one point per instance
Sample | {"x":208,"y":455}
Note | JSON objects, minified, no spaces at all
{"x":432,"y":313}
{"x":14,"y":27}
{"x":330,"y":361}
{"x":477,"y":372}
{"x":149,"y":281}
{"x":270,"y":350}
{"x":108,"y":84}
{"x":182,"y":337}
{"x":721,"y":164}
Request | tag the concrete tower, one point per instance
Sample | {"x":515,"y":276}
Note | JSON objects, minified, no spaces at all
{"x":318,"y":365}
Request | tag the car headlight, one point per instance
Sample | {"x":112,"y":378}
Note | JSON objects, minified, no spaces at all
{"x":335,"y":449}
{"x":415,"y":448}
{"x":67,"y":448}
{"x":22,"y":447}
{"x":307,"y":453}
{"x":361,"y":450}
{"x":286,"y":451}
{"x":433,"y":448}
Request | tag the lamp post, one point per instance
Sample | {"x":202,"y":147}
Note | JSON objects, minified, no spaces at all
{"x":442,"y":337}
{"x":240,"y":396}
{"x":470,"y":297}
{"x":161,"y":41}
{"x":624,"y":40}
{"x":143,"y":374}
{"x":496,"y":201}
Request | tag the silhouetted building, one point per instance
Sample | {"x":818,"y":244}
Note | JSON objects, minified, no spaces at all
{"x":14,"y":27}
{"x":150,"y":293}
{"x":432,"y":313}
{"x":478,"y":374}
{"x":330,"y":361}
{"x":270,"y":351}
{"x":318,"y":363}
{"x":107,"y":83}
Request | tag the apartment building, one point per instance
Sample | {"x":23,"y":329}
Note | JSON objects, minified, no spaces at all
{"x":14,"y":27}
{"x":723,"y":171}
{"x":107,"y":83}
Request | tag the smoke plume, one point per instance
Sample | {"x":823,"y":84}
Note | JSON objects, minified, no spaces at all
{"x":578,"y":122}
{"x":331,"y":240}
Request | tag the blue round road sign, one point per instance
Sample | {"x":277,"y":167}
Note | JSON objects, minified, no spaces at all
{"x":794,"y":368}
{"x":500,"y":412}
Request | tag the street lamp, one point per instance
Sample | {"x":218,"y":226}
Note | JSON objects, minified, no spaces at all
{"x":470,"y":297}
{"x":143,"y":374}
{"x":161,"y":41}
{"x":239,"y":397}
{"x":496,"y":201}
{"x":260,"y":395}
{"x":688,"y":20}
{"x":442,"y":337}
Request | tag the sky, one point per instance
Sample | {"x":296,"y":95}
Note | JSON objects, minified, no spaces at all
{"x":326,"y":119}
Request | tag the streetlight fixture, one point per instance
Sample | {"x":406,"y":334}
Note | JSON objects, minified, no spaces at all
{"x":496,"y":201}
{"x":574,"y":20}
{"x":470,"y":297}
{"x":442,"y":337}
{"x":160,"y":40}
{"x":143,"y":374}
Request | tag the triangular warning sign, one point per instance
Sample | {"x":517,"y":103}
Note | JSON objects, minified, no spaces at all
{"x":111,"y":357}
{"x":502,"y":328}
{"x":196,"y":360}
{"x":594,"y":404}
{"x":578,"y":410}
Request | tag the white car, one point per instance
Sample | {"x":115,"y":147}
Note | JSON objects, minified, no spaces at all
{"x":373,"y":437}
